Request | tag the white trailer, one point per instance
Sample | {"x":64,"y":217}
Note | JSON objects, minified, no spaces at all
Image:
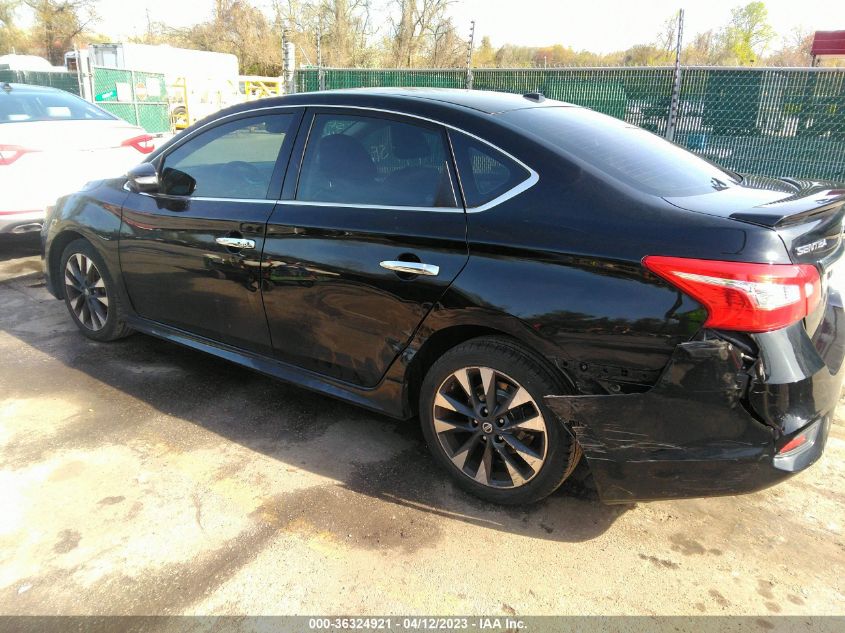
{"x":198,"y":82}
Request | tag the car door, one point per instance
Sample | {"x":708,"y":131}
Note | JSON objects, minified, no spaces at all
{"x":369,"y":234}
{"x":191,"y":253}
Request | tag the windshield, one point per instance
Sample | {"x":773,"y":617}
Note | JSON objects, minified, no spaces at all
{"x":20,"y":104}
{"x":625,"y":152}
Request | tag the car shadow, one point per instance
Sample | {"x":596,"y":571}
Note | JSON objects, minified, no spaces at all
{"x":365,"y":452}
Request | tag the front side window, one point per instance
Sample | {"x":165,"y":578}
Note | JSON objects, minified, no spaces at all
{"x":376,"y":161}
{"x":486,"y":173}
{"x":233,"y":160}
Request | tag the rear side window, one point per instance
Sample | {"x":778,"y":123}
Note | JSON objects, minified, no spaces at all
{"x":485,"y":172}
{"x":625,"y":152}
{"x":234,"y":160}
{"x":376,"y":161}
{"x":18,"y":105}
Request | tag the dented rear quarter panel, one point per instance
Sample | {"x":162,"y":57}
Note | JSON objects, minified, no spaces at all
{"x":564,"y":260}
{"x":689,"y":435}
{"x":664,"y":408}
{"x":713,"y":422}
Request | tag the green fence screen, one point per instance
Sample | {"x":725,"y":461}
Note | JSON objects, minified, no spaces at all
{"x":63,"y":80}
{"x":771,"y":121}
{"x":137,"y":97}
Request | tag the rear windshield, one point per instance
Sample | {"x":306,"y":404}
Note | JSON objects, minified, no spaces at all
{"x":625,"y":152}
{"x":18,"y":105}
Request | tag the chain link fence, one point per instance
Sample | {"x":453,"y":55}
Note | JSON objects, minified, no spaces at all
{"x":772,"y":121}
{"x":137,"y":97}
{"x":62,"y":80}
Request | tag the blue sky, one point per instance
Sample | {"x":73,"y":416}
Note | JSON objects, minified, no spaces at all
{"x":598,"y":25}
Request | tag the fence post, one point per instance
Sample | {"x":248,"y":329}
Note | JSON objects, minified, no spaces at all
{"x":321,"y":79}
{"x":470,"y":46}
{"x":288,"y":61}
{"x":78,"y":72}
{"x":676,"y":83}
{"x":135,"y":99}
{"x":86,"y":68}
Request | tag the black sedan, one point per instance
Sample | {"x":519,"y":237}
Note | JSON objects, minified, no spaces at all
{"x":535,"y":281}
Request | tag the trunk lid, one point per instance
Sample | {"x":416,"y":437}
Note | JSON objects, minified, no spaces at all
{"x":72,"y":135}
{"x":807,"y":215}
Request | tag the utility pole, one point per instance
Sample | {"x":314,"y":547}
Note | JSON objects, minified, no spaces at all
{"x":674,"y":104}
{"x":470,"y":47}
{"x":321,"y":84}
{"x":288,"y":60}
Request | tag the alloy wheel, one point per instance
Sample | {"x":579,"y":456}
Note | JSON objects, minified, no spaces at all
{"x":86,"y":292}
{"x":490,"y":427}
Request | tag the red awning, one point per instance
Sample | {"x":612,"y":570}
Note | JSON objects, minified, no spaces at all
{"x":829,"y":43}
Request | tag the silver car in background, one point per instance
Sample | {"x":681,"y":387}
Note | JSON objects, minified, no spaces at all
{"x":52,"y":143}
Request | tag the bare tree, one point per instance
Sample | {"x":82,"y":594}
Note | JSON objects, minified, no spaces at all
{"x":343,"y":26}
{"x":667,"y":38}
{"x":236,"y":27}
{"x":702,"y":49}
{"x":414,"y":28}
{"x":10,"y":34}
{"x":448,"y":47}
{"x":511,"y":56}
{"x":346,"y":28}
{"x":795,"y":50}
{"x":57,"y":23}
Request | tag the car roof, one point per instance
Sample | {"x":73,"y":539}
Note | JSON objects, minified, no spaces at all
{"x":487,"y":101}
{"x":484,"y":101}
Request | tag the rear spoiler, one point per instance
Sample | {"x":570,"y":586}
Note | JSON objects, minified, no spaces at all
{"x":811,"y":202}
{"x":809,"y":222}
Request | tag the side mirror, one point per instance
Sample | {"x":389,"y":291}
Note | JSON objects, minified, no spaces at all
{"x":143,"y":178}
{"x":175,"y":182}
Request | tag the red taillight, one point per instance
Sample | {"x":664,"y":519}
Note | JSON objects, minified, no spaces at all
{"x":740,"y":296}
{"x":143,"y":143}
{"x":10,"y":153}
{"x":792,"y":444}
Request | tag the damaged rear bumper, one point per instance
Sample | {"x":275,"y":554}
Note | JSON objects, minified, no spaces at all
{"x":715,"y":421}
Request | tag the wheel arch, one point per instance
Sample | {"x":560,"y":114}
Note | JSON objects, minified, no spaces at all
{"x":441,"y":341}
{"x":54,"y":257}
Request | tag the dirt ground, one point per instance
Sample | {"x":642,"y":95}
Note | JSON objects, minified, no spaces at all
{"x":143,"y":478}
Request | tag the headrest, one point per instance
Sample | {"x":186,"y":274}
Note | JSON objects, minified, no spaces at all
{"x":408,"y":142}
{"x":342,"y":155}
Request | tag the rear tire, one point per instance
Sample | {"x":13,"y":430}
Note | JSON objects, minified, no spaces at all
{"x":90,"y":293}
{"x":513,"y":452}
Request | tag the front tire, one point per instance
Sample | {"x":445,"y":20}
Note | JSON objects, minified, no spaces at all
{"x":90,"y":294}
{"x":485,"y":421}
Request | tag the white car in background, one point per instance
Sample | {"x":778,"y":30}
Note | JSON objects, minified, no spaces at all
{"x":52,"y":143}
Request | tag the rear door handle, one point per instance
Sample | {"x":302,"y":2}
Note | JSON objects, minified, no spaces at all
{"x":235,"y":242}
{"x":411,"y":268}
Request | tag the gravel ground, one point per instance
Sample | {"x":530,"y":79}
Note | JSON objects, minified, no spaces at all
{"x":143,"y":478}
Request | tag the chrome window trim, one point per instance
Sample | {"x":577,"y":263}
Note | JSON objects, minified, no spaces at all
{"x":210,"y":199}
{"x":323,"y":203}
{"x":523,"y":186}
{"x":352,"y":205}
{"x":165,"y":196}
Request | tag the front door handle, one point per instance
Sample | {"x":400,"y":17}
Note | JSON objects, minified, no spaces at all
{"x":235,"y":242}
{"x":411,"y":268}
